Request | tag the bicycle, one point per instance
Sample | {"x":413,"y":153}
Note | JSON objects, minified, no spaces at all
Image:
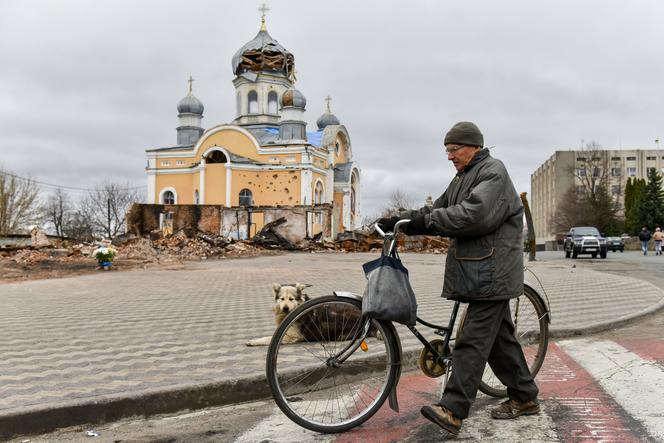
{"x":340,"y":378}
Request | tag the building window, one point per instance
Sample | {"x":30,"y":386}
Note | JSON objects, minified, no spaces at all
{"x":615,"y":189}
{"x":581,"y":172}
{"x":336,"y":145}
{"x":615,"y":159}
{"x":216,"y":157}
{"x":580,"y":190}
{"x":580,"y":159}
{"x":596,"y":172}
{"x":165,"y":163}
{"x":631,"y":172}
{"x":615,"y":172}
{"x":651,"y":158}
{"x":318,"y":193}
{"x":253,"y":102}
{"x":179,"y":162}
{"x":246,"y":198}
{"x":196,"y":197}
{"x":650,"y":170}
{"x":272,"y":103}
{"x":631,"y":158}
{"x":168,"y":198}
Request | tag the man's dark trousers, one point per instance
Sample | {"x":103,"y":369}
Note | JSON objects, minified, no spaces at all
{"x":488,"y":335}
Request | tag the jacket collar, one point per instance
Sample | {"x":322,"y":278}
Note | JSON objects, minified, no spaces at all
{"x":481,"y":155}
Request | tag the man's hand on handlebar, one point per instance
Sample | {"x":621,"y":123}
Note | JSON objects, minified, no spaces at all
{"x":387,"y":223}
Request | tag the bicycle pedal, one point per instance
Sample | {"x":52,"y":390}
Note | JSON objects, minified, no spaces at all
{"x":439,"y":332}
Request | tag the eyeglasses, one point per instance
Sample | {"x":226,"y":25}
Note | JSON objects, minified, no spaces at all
{"x":453,"y":149}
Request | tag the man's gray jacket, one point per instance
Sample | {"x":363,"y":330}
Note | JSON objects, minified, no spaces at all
{"x":483,"y":216}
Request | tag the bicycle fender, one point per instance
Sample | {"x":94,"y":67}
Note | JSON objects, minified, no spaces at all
{"x":392,"y":398}
{"x":544,"y":303}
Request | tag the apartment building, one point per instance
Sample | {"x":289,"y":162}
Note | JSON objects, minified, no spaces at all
{"x":564,"y":169}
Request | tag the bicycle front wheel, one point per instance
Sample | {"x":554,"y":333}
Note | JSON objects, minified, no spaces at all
{"x":531,"y":329}
{"x":316,"y":388}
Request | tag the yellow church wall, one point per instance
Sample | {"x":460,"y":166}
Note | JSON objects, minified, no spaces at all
{"x":342,"y":156}
{"x":181,"y":183}
{"x":267,"y":187}
{"x":231,"y":140}
{"x":215,"y":184}
{"x":338,"y":208}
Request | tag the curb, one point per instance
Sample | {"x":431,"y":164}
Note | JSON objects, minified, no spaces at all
{"x":39,"y":420}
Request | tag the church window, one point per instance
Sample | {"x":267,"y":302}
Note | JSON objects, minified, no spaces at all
{"x":352,"y":201}
{"x":272,"y":103}
{"x":253,"y":102}
{"x":168,"y":198}
{"x":165,"y":163}
{"x":337,"y":147}
{"x":196,"y":197}
{"x":216,"y":157}
{"x":318,"y":193}
{"x":246,"y":198}
{"x":179,"y":162}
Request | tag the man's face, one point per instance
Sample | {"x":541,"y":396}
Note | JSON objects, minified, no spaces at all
{"x":460,"y":155}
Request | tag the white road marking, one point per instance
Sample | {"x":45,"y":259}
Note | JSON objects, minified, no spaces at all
{"x":277,"y":428}
{"x":634,"y":383}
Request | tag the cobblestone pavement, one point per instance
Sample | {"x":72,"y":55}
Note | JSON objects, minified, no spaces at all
{"x":80,"y":339}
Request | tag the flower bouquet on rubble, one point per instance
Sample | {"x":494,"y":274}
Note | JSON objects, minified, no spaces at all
{"x":104,"y":256}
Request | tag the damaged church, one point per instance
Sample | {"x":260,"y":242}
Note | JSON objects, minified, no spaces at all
{"x":263,"y":165}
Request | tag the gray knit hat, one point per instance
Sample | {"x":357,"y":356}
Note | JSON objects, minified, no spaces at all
{"x":465,"y":133}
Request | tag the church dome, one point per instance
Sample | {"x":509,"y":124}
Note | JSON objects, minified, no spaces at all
{"x":263,"y":53}
{"x":327,"y":119}
{"x":293,"y":97}
{"x":190,"y":105}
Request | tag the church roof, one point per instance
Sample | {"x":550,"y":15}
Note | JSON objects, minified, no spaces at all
{"x":263,"y":53}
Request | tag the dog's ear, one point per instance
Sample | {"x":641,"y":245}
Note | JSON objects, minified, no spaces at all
{"x":300,"y":287}
{"x":276,"y":287}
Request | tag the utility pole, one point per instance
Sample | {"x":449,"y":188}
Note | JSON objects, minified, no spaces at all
{"x":108,"y":201}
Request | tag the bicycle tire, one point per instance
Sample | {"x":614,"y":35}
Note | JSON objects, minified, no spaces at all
{"x":315,"y":382}
{"x":536,"y":318}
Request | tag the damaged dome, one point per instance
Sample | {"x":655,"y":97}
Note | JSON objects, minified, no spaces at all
{"x":263,"y":53}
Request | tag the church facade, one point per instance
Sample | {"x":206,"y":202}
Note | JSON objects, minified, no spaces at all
{"x":265,"y":157}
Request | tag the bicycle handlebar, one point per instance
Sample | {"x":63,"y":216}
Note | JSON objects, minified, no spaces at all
{"x":396,"y":227}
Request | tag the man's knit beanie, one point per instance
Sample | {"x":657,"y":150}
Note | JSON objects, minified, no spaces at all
{"x":464,"y":133}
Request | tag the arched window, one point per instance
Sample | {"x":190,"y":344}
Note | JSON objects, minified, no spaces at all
{"x":353,"y":197}
{"x":272,"y":103}
{"x":253,"y":102}
{"x":196,"y":197}
{"x":216,"y":157}
{"x":168,"y":198}
{"x":246,"y":198}
{"x":318,"y":193}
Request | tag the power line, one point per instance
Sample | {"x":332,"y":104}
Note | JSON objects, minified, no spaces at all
{"x":68,"y":188}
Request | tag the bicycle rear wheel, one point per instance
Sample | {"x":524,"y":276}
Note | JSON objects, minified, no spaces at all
{"x":531,"y":329}
{"x":310,"y":385}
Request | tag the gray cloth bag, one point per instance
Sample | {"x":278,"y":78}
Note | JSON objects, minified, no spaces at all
{"x":388,"y":295}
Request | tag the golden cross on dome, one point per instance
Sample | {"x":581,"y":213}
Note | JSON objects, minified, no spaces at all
{"x":191,"y":81}
{"x":263,"y":9}
{"x":328,"y":99}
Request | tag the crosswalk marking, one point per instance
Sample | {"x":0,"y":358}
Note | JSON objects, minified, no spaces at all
{"x":636,"y":384}
{"x":591,"y":390}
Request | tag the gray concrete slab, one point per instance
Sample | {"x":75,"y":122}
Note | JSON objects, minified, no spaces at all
{"x":98,"y":347}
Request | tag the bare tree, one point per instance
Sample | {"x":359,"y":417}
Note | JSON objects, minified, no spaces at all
{"x":105,"y":208}
{"x":398,"y":200}
{"x":590,"y":199}
{"x":19,"y":203}
{"x":58,"y":211}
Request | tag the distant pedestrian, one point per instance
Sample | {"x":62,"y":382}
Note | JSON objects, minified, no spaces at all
{"x":658,"y":236}
{"x":644,"y":236}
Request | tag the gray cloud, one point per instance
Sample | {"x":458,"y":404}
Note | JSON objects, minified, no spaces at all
{"x":86,"y":87}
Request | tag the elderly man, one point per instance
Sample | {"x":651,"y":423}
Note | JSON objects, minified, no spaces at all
{"x":482,"y":214}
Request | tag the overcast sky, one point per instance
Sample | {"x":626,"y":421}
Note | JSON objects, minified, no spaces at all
{"x":87,"y":86}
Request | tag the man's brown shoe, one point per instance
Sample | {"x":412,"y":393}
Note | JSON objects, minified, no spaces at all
{"x":443,"y":417}
{"x":513,"y":409}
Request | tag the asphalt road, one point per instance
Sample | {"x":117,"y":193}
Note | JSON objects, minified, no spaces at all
{"x":577,"y":399}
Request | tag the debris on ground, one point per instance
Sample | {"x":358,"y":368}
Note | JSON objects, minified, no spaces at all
{"x":62,"y":258}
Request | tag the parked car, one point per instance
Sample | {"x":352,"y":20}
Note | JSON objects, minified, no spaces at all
{"x":584,"y":240}
{"x":615,"y":244}
{"x":625,"y":236}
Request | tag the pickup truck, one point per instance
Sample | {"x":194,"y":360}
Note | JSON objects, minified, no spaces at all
{"x":585,"y":240}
